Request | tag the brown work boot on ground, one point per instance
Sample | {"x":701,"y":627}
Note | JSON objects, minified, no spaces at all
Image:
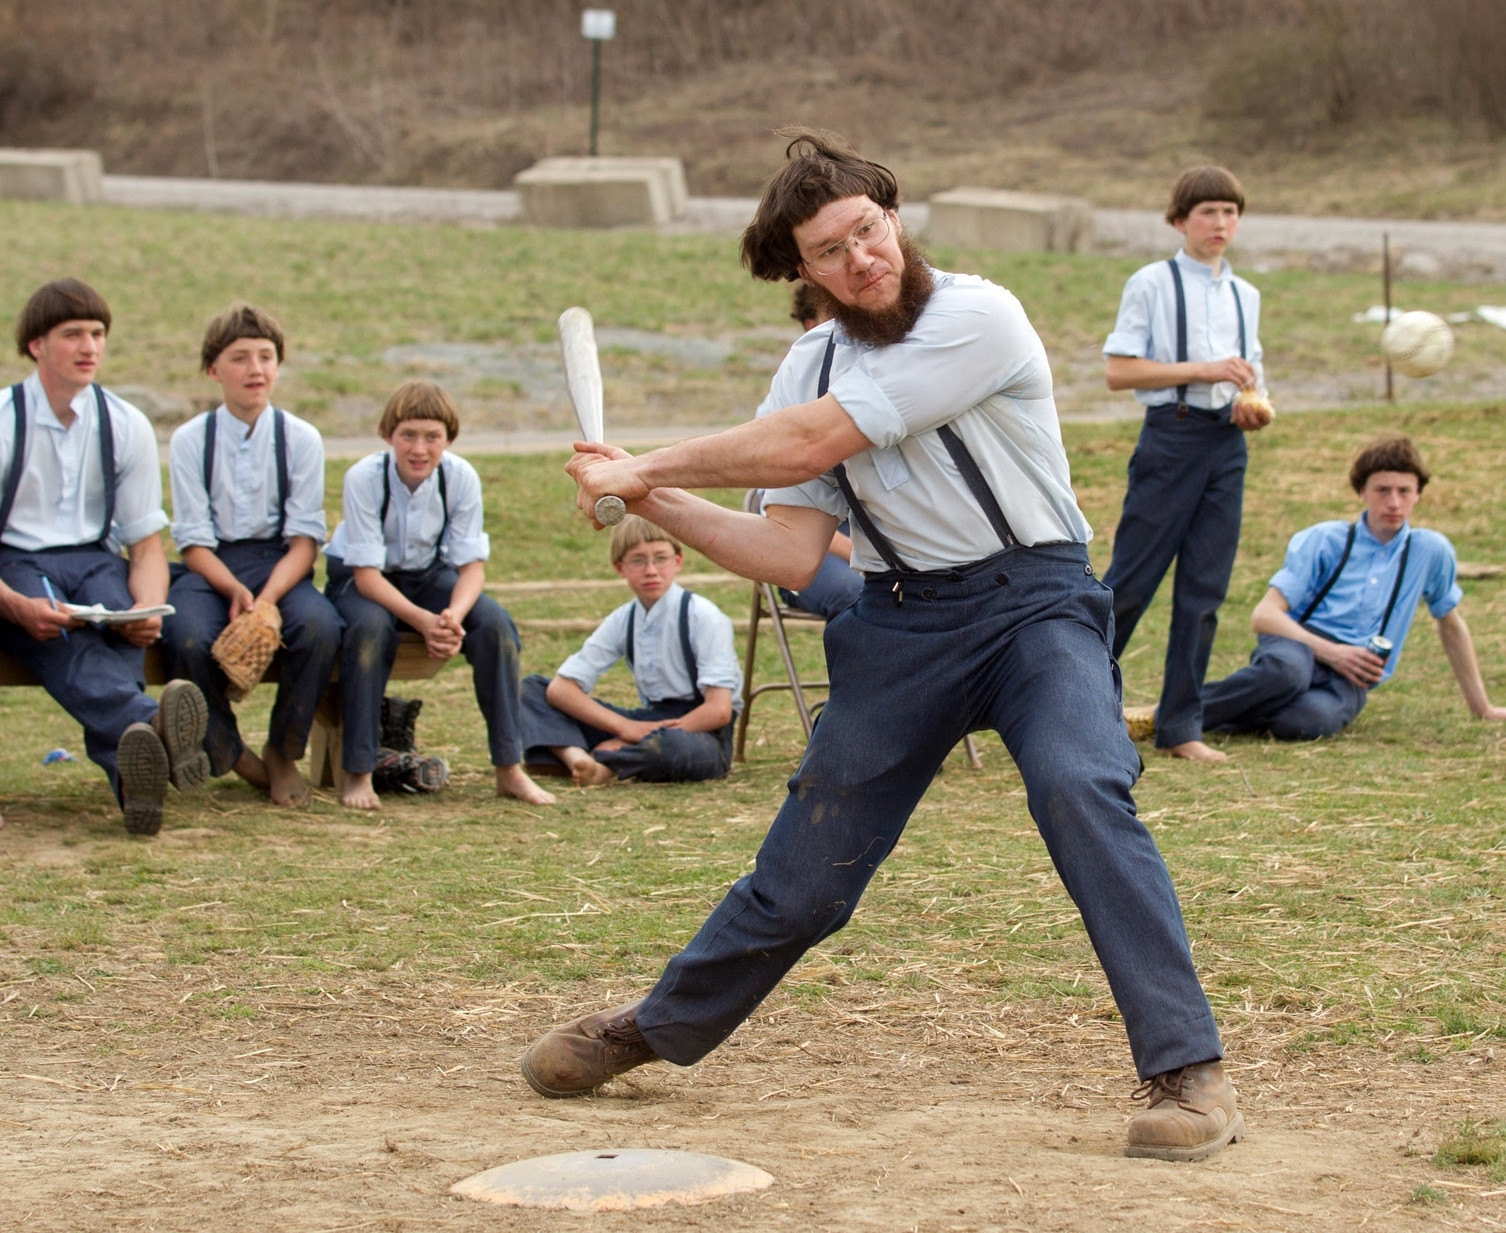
{"x":583,"y":1054}
{"x":142,"y":764}
{"x":1189,"y":1114}
{"x":181,"y":721}
{"x":1140,"y":721}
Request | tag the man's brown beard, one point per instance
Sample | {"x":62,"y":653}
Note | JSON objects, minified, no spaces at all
{"x":884,"y":326}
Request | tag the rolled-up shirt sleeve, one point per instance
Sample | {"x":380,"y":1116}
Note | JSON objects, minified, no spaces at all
{"x":602,"y":649}
{"x":193,"y":523}
{"x":466,"y":540}
{"x":1132,"y":332}
{"x":138,"y":492}
{"x":717,"y":665}
{"x":305,"y":514}
{"x":361,"y":502}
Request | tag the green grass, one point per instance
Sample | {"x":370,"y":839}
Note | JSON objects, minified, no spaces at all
{"x":1343,"y":894}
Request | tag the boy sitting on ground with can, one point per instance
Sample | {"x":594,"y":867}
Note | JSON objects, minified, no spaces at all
{"x":679,"y":647}
{"x":248,"y":519}
{"x":411,"y":553}
{"x":1331,"y":627}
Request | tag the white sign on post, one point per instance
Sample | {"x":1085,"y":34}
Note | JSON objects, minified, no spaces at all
{"x":598,"y":23}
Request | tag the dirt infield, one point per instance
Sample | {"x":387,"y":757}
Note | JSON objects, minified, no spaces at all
{"x":356,"y":1104}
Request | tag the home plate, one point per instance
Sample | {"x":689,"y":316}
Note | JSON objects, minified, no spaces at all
{"x":613,"y":1181}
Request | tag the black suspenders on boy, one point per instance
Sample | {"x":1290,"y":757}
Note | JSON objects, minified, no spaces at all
{"x":444,"y":504}
{"x":1401,"y":572}
{"x":18,"y":457}
{"x":1239,"y":309}
{"x":967,"y":467}
{"x":685,"y":648}
{"x":280,"y":447}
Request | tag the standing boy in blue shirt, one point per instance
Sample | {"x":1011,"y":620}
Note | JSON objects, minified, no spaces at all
{"x":248,"y":519}
{"x":411,"y":551}
{"x":1187,"y":341}
{"x":1343,"y":586}
{"x":679,"y":647}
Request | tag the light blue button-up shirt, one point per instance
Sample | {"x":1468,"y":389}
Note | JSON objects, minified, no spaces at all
{"x":659,"y":668}
{"x":414,"y":519}
{"x":61,"y":498}
{"x":1355,"y":605}
{"x":973,"y":361}
{"x":1146,"y":328}
{"x":244,"y":504}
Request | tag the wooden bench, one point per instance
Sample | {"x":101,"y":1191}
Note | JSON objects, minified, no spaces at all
{"x":412,"y":664}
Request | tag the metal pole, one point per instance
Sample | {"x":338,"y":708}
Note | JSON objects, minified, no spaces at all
{"x":1386,"y":289}
{"x":595,"y":89}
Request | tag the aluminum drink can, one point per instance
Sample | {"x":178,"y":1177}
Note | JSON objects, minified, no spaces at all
{"x":1380,"y":646}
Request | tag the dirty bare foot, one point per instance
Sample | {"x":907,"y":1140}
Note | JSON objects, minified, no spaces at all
{"x":288,"y":787}
{"x":514,"y":781}
{"x":1196,"y":751}
{"x":251,"y":768}
{"x":358,"y":792}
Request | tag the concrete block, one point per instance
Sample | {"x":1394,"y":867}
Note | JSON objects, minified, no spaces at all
{"x":1011,"y":222}
{"x":74,"y":176}
{"x":603,"y":192}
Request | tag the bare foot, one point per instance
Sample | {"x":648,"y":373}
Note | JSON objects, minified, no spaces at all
{"x":1196,"y":751}
{"x":358,"y":792}
{"x":589,"y":773}
{"x":514,"y":781}
{"x":250,"y":768}
{"x":288,"y":787}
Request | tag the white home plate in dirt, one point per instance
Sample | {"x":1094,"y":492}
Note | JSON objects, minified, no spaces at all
{"x":613,"y":1180}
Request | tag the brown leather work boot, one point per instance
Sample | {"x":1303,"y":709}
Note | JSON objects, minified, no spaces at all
{"x":583,"y":1054}
{"x":1189,"y":1115}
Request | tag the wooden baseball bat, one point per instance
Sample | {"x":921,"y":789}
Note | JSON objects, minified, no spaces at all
{"x":583,"y":378}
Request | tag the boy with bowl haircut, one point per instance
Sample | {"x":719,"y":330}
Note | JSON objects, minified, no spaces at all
{"x":248,"y":519}
{"x":80,"y":479}
{"x":1187,"y":342}
{"x":411,"y":551}
{"x":680,"y":649}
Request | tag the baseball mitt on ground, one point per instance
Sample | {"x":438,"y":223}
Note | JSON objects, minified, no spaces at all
{"x":246,"y":646}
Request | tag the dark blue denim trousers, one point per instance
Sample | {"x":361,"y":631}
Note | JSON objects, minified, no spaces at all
{"x":96,"y":675}
{"x":310,"y":641}
{"x":1285,"y":691}
{"x":1018,"y":643}
{"x":1184,"y":502}
{"x":369,"y":649}
{"x":665,"y":756}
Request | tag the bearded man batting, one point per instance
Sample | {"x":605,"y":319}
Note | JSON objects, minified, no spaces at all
{"x":925,"y":411}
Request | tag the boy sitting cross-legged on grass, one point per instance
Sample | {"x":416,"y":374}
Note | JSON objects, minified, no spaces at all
{"x":411,"y":552}
{"x":248,"y":519}
{"x":679,"y":647}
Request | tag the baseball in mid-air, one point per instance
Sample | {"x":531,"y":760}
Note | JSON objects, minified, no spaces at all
{"x":1418,"y":344}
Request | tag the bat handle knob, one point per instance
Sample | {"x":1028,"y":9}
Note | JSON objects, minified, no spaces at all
{"x":610,"y":511}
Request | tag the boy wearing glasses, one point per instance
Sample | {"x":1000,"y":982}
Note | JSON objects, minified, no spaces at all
{"x":679,"y":648}
{"x":411,"y":552}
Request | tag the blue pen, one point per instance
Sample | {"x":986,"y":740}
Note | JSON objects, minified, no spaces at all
{"x":53,"y":599}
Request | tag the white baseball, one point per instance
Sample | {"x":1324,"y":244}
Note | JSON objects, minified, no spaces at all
{"x":1418,"y":344}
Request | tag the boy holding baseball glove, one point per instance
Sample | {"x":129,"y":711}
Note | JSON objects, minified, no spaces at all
{"x":248,"y":518}
{"x":411,"y":552}
{"x":1187,"y":342}
{"x":679,"y":648}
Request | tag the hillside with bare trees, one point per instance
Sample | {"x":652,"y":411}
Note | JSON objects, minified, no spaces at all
{"x":1374,"y":106}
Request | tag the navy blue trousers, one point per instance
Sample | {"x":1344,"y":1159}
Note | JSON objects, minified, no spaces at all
{"x":1018,"y":643}
{"x":311,"y":640}
{"x":369,"y":649}
{"x":1285,"y":691}
{"x":1184,"y":502}
{"x":96,"y":675}
{"x":666,"y":756}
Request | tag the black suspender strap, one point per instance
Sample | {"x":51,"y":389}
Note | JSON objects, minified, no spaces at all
{"x":1401,"y":572}
{"x":1239,"y":310}
{"x":686,"y":649}
{"x":211,"y":430}
{"x":18,"y":456}
{"x":106,"y":458}
{"x":280,"y":448}
{"x":968,"y":466}
{"x":444,"y":504}
{"x":1332,"y":578}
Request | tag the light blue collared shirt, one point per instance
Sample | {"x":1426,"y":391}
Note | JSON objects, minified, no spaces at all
{"x":659,"y":668}
{"x":61,"y":498}
{"x":244,"y":504}
{"x":1354,"y":607}
{"x":975,"y":362}
{"x":414,"y":519}
{"x":1147,"y":325}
